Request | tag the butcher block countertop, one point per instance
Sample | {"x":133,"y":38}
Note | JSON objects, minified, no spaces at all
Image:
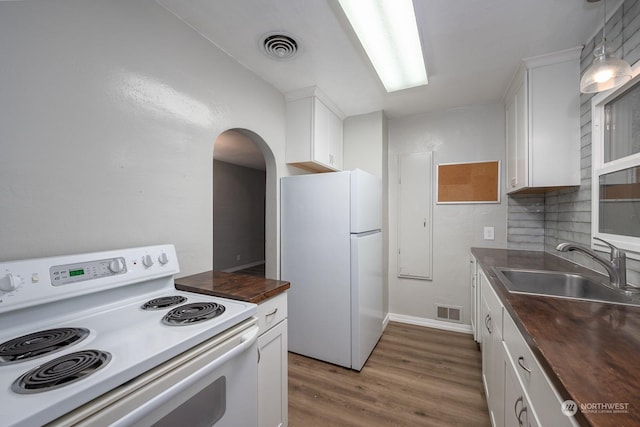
{"x":590,"y":351}
{"x":232,"y":285}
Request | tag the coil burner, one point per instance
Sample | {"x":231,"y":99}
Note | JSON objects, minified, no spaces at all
{"x":163,"y":302}
{"x":39,"y":344}
{"x":193,"y":313}
{"x":61,"y":371}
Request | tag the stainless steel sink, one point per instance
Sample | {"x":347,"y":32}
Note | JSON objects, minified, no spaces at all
{"x":562,"y":285}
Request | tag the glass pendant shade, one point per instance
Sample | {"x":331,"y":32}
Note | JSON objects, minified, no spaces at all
{"x":606,"y":72}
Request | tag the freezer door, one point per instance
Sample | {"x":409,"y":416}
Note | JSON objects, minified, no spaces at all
{"x":366,"y":202}
{"x":366,"y":296}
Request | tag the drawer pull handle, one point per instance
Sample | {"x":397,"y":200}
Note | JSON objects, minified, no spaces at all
{"x":275,"y":310}
{"x":519,"y":413}
{"x":521,"y":421}
{"x":522,"y":365}
{"x":487,"y":320}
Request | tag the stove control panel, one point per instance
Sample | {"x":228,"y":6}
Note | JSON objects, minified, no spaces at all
{"x":30,"y":282}
{"x":78,"y":272}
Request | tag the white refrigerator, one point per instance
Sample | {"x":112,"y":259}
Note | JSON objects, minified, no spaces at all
{"x":331,"y":252}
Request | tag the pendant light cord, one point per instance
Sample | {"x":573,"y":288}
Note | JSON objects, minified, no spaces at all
{"x":604,"y":21}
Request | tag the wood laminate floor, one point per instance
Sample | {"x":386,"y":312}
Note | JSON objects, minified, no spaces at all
{"x":415,"y":376}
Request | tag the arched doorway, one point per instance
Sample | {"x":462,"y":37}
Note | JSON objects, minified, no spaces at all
{"x":244,"y":204}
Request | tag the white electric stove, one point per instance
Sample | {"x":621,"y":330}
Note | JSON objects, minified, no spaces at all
{"x":106,"y":339}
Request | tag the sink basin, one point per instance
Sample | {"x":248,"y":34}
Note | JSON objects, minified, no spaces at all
{"x":562,"y":285}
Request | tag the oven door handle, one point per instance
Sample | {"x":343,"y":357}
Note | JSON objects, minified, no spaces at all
{"x":247,"y":340}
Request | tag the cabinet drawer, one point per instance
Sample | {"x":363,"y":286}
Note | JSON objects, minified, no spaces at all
{"x":271,"y":312}
{"x":544,"y":399}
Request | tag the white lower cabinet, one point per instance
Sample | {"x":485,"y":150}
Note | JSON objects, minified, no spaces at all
{"x":491,"y":345}
{"x":272,"y":363}
{"x":544,"y":401}
{"x":476,"y":325}
{"x":517,"y":410}
{"x":519,"y":393}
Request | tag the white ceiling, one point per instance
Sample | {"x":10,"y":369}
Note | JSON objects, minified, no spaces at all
{"x":472,"y":47}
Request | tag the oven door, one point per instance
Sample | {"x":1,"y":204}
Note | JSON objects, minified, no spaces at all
{"x":215,"y":383}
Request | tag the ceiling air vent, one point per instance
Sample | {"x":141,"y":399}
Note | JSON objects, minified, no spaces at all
{"x":281,"y":46}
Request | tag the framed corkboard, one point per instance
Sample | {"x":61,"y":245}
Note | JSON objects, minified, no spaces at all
{"x":474,"y":182}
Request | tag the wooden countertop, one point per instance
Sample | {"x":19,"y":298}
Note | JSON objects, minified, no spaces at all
{"x":590,"y":351}
{"x":231,"y":285}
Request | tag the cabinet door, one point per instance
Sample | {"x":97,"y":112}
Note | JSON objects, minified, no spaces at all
{"x":321,"y":135}
{"x":485,"y":340}
{"x":474,"y":298}
{"x":299,"y":141}
{"x":496,"y":380}
{"x":492,"y":353}
{"x":272,"y":377}
{"x":554,"y":124}
{"x":522,"y":135}
{"x":335,"y":141}
{"x":512,"y":157}
{"x":517,"y":410}
{"x":517,"y":137}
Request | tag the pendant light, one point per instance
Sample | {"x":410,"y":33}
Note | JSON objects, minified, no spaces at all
{"x":606,"y":72}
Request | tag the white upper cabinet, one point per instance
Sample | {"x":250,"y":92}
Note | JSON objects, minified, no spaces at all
{"x":314,"y":131}
{"x":542,"y":108}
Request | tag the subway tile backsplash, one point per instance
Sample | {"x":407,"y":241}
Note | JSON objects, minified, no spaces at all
{"x":525,"y":226}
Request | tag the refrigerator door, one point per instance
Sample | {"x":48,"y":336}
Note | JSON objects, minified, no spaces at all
{"x":366,"y":296}
{"x":366,"y":202}
{"x":315,"y":258}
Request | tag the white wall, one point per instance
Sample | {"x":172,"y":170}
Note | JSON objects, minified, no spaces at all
{"x":363,"y":142}
{"x":366,"y":147}
{"x":457,"y":135}
{"x":108,"y":115}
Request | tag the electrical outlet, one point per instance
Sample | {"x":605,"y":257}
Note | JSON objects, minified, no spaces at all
{"x":489,"y":233}
{"x":238,"y":257}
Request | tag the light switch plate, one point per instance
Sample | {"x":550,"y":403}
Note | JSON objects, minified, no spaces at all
{"x":489,"y":233}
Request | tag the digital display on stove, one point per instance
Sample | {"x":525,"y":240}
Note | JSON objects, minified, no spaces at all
{"x":88,"y":270}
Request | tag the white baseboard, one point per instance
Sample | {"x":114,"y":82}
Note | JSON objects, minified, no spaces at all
{"x":385,"y":322}
{"x":243,"y":266}
{"x":429,"y":323}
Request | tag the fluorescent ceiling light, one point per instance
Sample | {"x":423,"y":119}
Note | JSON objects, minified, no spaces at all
{"x":388,"y":32}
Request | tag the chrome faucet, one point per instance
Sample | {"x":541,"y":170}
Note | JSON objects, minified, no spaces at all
{"x":616,"y":266}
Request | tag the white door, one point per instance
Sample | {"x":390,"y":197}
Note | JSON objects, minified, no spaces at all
{"x":414,"y":225}
{"x":366,"y":296}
